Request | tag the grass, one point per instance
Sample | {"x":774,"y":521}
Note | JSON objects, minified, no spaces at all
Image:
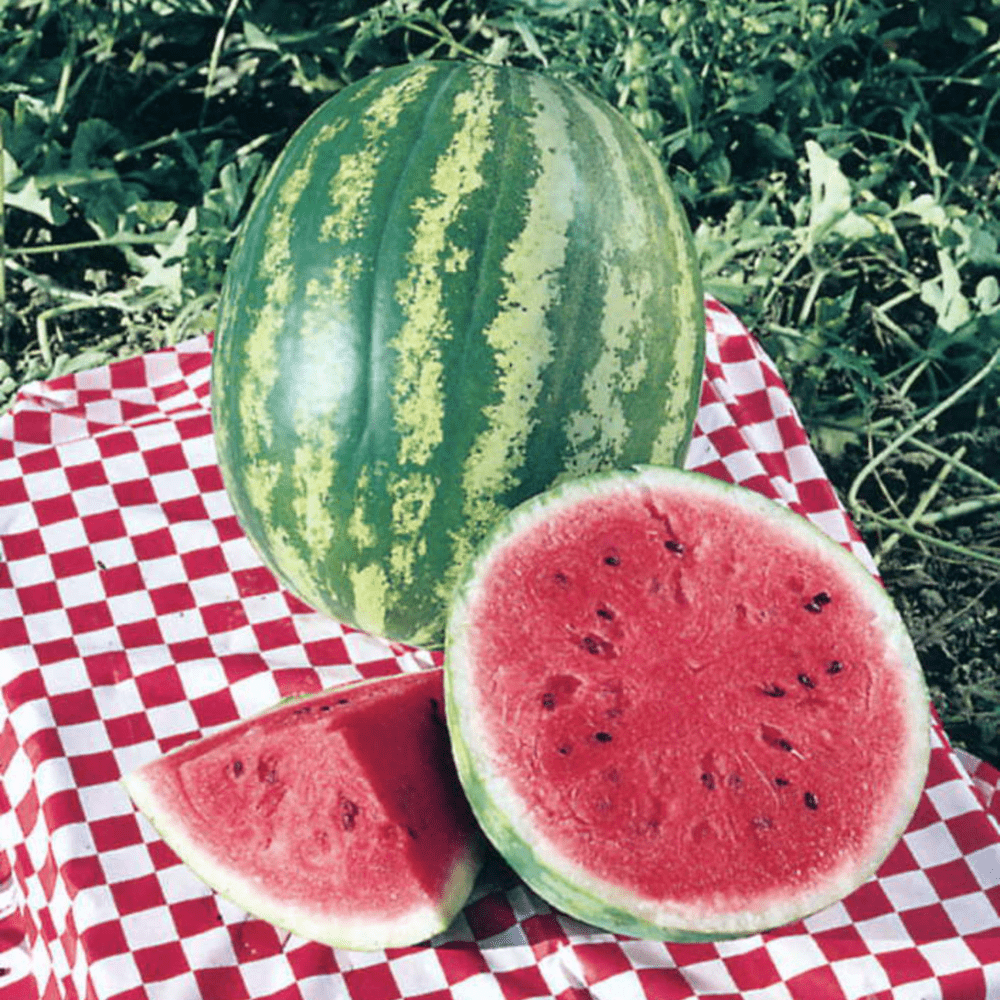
{"x":840,"y":163}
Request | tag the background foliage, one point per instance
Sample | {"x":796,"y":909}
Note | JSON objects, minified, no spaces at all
{"x":839,"y":160}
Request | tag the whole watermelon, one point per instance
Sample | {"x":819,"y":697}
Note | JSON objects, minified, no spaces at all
{"x":459,"y":284}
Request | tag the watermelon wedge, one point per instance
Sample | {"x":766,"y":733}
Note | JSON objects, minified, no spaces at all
{"x":337,"y":816}
{"x":678,"y":709}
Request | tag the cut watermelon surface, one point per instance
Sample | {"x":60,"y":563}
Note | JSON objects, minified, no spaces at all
{"x":337,"y":816}
{"x":679,"y":710}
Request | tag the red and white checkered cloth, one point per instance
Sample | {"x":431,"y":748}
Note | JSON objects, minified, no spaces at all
{"x":134,"y":615}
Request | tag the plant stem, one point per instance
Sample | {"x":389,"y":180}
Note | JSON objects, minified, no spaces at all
{"x":926,"y":499}
{"x":962,"y":509}
{"x":967,"y":470}
{"x":120,"y":239}
{"x":953,"y":547}
{"x":213,"y":62}
{"x":914,"y":429}
{"x":163,"y":140}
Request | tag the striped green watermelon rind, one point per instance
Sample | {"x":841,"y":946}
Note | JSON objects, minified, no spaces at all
{"x":225,"y":858}
{"x":522,"y":840}
{"x":458,"y":285}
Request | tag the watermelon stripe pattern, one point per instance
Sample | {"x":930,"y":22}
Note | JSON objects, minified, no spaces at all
{"x":459,"y":284}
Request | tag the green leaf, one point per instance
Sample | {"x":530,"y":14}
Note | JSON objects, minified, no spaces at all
{"x":988,"y":293}
{"x":256,"y":38}
{"x":760,"y":98}
{"x":718,"y":171}
{"x":697,"y":144}
{"x":529,"y":40}
{"x":26,"y":137}
{"x":105,"y":204}
{"x":926,"y":208}
{"x":831,"y":201}
{"x":833,"y":441}
{"x":982,"y":248}
{"x":154,"y":214}
{"x":944,"y":295}
{"x":972,"y":30}
{"x":774,"y":142}
{"x":235,"y":181}
{"x":208,"y":164}
{"x":92,"y":137}
{"x":558,"y":8}
{"x":834,"y":314}
{"x":162,"y":269}
{"x":26,"y":195}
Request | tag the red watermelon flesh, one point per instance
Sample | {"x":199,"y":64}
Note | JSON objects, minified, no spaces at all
{"x":681,"y":710}
{"x":338,"y":816}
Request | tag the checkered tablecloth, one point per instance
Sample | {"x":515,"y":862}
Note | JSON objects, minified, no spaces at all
{"x":134,"y":615}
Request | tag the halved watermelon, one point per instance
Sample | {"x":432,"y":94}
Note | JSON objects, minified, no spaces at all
{"x":337,"y":816}
{"x":678,"y":709}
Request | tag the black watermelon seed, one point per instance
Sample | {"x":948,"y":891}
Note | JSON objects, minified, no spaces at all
{"x":561,"y":579}
{"x":348,"y":813}
{"x":781,"y":782}
{"x":674,"y":546}
{"x":821,"y":598}
{"x":806,"y":681}
{"x":775,"y":738}
{"x":810,"y":800}
{"x":612,"y":561}
{"x":564,"y":749}
{"x":773,"y":690}
{"x":708,"y":780}
{"x":237,"y":768}
{"x":597,"y":646}
{"x":343,"y":701}
{"x":813,"y":607}
{"x":835,"y":667}
{"x":606,"y":613}
{"x":602,"y":737}
{"x":548,"y":701}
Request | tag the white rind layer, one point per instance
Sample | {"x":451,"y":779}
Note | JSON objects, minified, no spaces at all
{"x":503,"y":815}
